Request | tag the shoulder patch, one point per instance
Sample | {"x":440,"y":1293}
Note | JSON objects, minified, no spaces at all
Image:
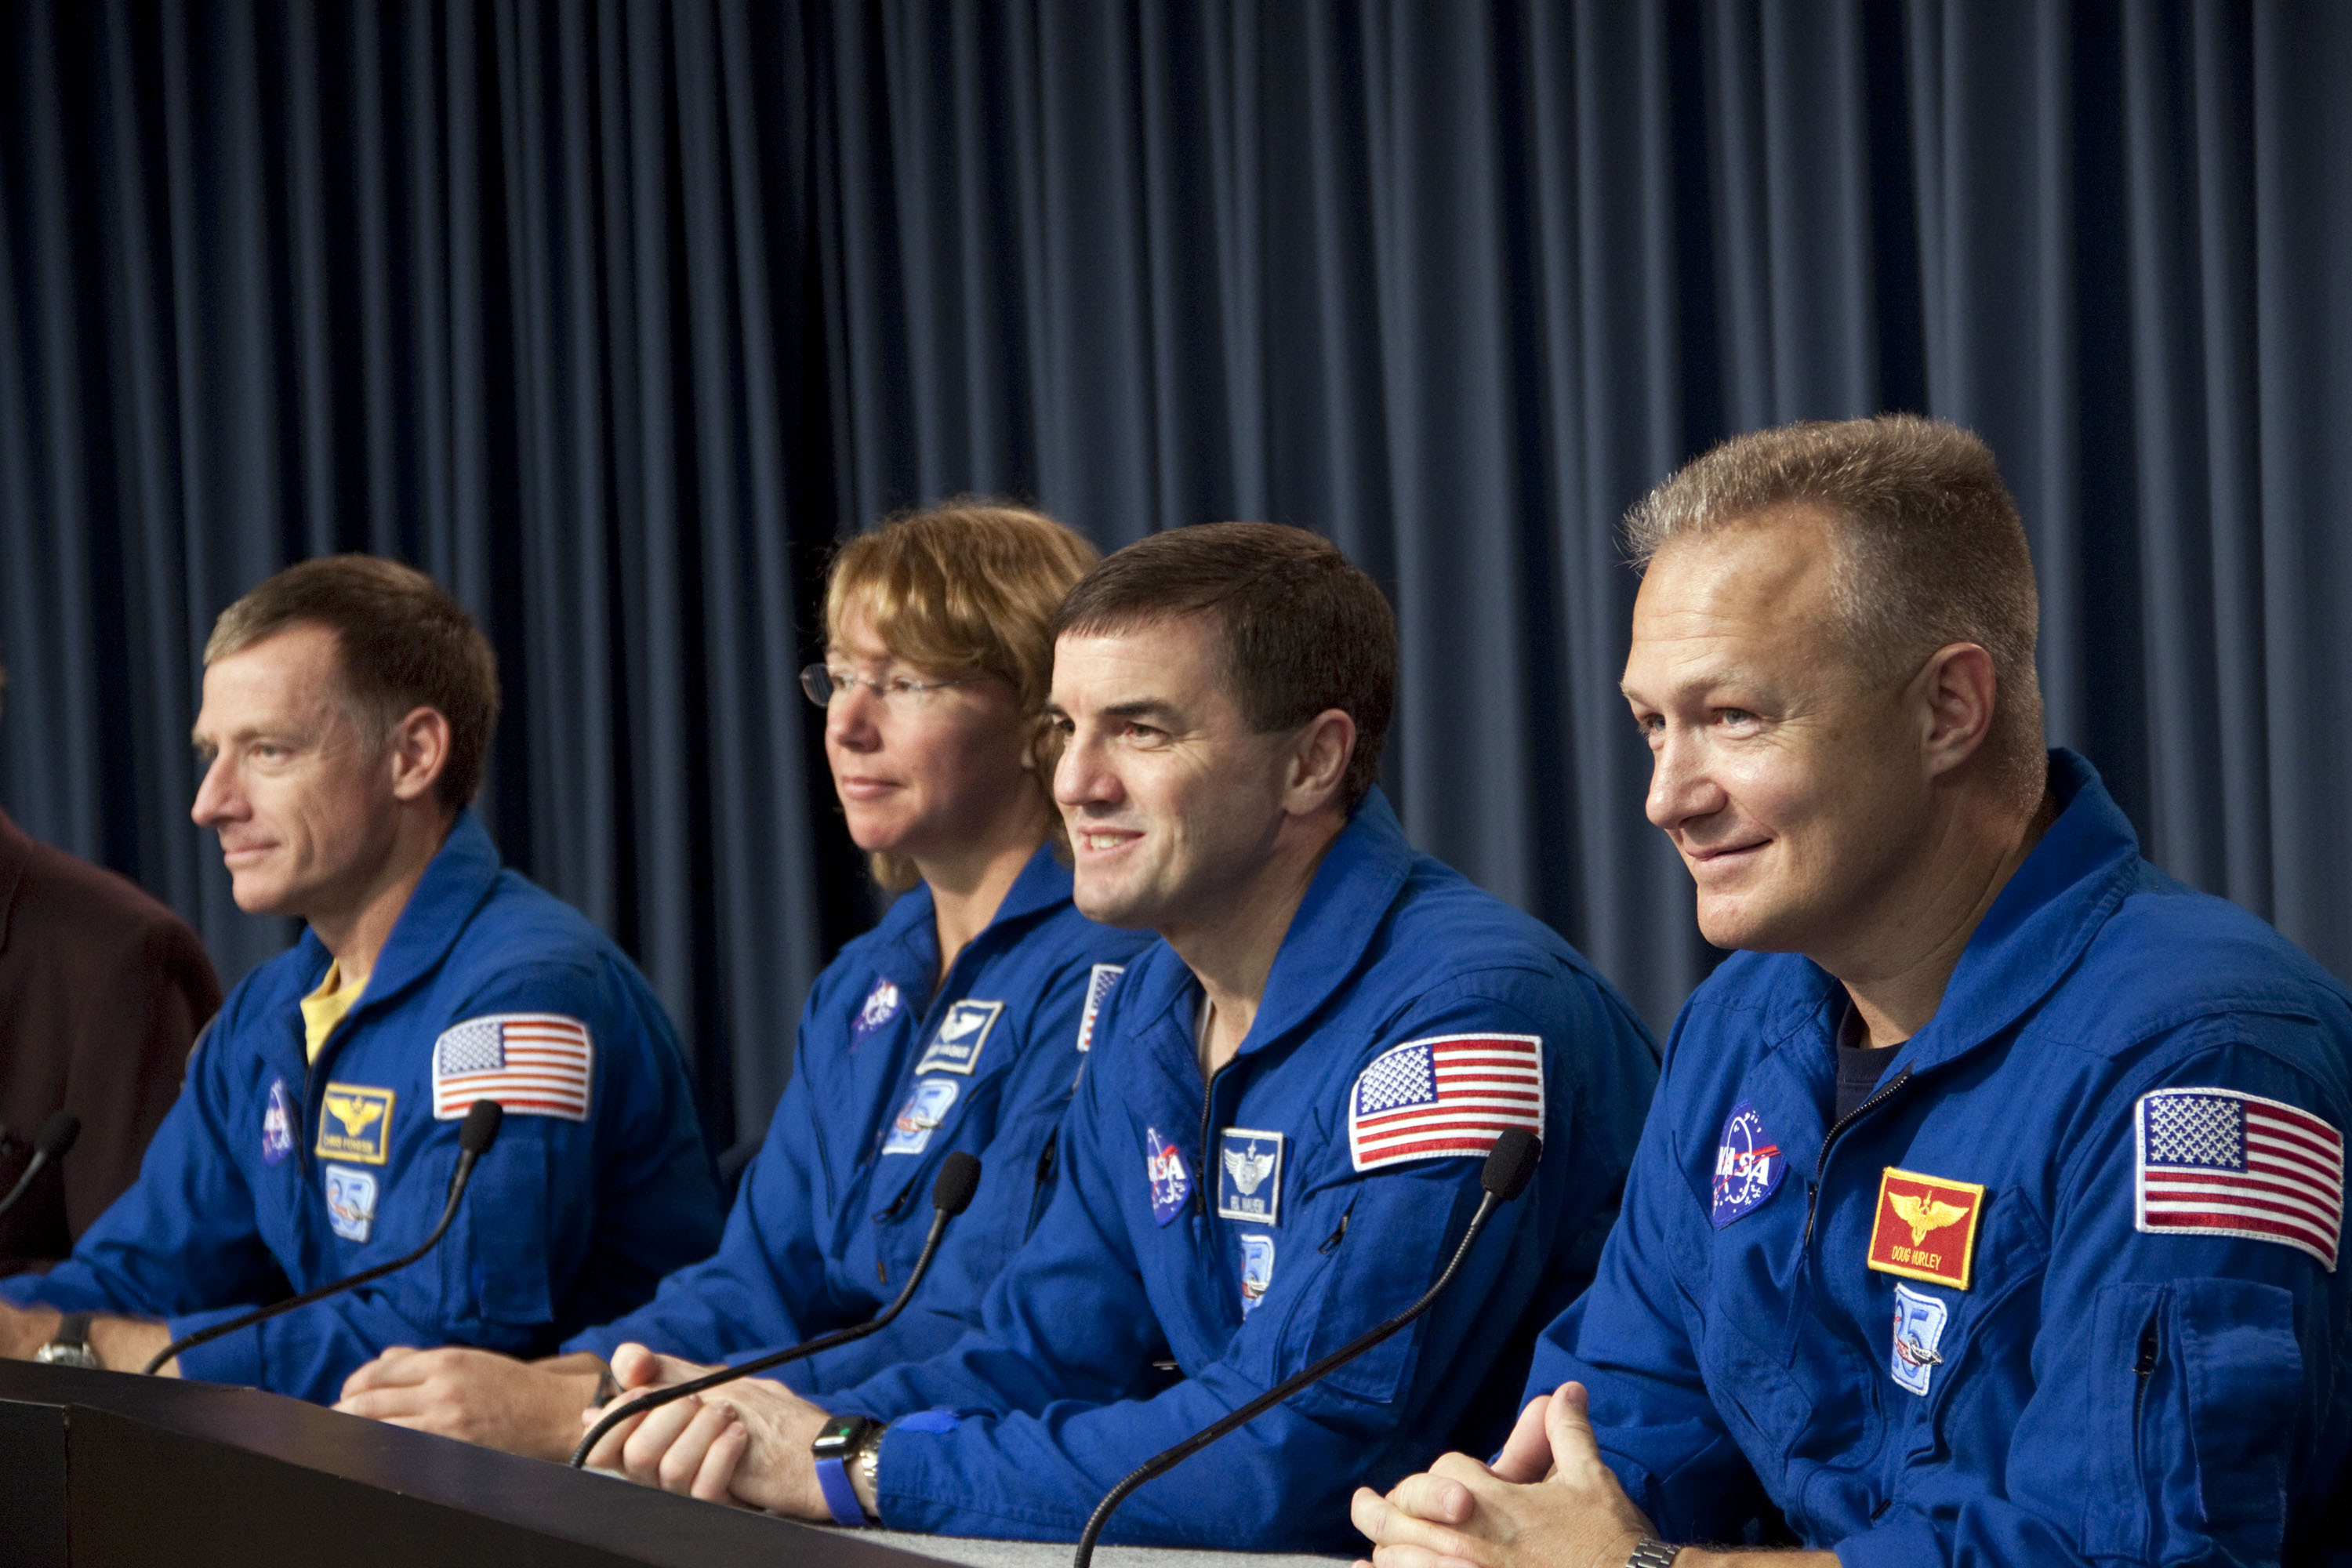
{"x":2230,"y":1164}
{"x":1445,"y":1095}
{"x":1098,"y":984}
{"x":532,"y":1064}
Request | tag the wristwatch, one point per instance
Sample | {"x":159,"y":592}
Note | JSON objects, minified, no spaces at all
{"x":69,"y":1346}
{"x":1652,"y":1552}
{"x":844,"y":1439}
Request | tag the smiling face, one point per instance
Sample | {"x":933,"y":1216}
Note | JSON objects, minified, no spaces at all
{"x":1172,"y":801}
{"x":928,"y":774}
{"x":301,"y":797}
{"x":1792,"y":787}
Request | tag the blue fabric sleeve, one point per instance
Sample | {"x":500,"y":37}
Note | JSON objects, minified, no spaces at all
{"x":768,"y":1278}
{"x":1628,"y":1341}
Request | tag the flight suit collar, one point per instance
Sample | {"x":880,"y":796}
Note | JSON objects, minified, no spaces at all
{"x":910,"y":935}
{"x":455,"y":882}
{"x":2037,"y":928}
{"x":1359,"y":878}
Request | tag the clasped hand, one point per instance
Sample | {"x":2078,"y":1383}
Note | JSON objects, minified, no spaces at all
{"x":1547,"y":1502}
{"x":745,"y":1443}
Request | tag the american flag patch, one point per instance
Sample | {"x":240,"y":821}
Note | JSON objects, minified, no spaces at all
{"x":1098,"y":984}
{"x":2228,"y":1163}
{"x":1450,"y":1094}
{"x":534,"y":1064}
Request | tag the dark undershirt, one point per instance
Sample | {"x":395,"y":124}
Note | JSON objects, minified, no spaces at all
{"x":1859,"y":1067}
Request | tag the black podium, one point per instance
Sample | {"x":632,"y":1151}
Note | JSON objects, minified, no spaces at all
{"x":101,"y":1469}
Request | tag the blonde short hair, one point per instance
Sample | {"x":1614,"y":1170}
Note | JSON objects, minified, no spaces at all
{"x":968,"y":587}
{"x":1930,"y":550}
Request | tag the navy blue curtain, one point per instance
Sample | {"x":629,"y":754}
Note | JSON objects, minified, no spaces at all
{"x":615,"y":316}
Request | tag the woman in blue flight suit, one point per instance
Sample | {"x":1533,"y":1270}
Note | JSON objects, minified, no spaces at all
{"x":956,"y":1024}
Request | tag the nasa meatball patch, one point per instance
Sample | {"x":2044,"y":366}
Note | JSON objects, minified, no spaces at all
{"x":1747,"y":1165}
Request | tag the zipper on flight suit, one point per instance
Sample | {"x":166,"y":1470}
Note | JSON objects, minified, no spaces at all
{"x":2145,"y":1367}
{"x":1878,"y":1096}
{"x":1208,"y":1112}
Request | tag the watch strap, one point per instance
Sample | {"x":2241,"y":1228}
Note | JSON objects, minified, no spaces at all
{"x":1652,"y":1552}
{"x":840,"y":1495}
{"x":69,"y":1346}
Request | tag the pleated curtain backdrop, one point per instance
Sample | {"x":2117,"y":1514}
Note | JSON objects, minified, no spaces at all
{"x":616,"y":317}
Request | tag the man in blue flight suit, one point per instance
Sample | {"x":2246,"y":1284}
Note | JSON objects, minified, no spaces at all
{"x":1278,"y":1141}
{"x":347,"y":711}
{"x":1991,"y":1206}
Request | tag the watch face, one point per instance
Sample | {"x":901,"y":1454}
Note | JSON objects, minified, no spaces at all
{"x":839,"y":1436}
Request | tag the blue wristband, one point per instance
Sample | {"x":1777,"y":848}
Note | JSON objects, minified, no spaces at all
{"x":840,"y":1496}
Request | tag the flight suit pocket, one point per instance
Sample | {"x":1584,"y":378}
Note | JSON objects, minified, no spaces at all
{"x":495,"y":1257}
{"x":2196,"y":1390}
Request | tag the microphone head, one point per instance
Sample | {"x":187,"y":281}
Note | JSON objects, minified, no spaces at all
{"x":958,"y":1179}
{"x":1510,"y":1162}
{"x":480,"y":1128}
{"x":57,"y":1135}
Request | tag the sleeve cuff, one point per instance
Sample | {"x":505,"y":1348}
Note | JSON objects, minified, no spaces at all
{"x":1904,"y":1544}
{"x":232,"y":1358}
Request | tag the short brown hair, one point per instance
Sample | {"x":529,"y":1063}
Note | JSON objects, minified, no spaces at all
{"x":1304,"y":629}
{"x":404,"y":644}
{"x":969,"y":587}
{"x":1931,"y":551}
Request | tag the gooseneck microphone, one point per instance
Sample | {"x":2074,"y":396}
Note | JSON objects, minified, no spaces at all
{"x":475,"y":1136}
{"x":951,"y":1196}
{"x":49,"y":1145}
{"x":1508,"y":1165}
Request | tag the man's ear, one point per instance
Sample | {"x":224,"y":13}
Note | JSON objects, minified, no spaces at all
{"x":419,"y":751}
{"x":1955,"y":693}
{"x":1319,"y":753}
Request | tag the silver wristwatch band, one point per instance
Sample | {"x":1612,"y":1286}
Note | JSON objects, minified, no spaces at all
{"x":867,"y":1462}
{"x":1652,"y":1552}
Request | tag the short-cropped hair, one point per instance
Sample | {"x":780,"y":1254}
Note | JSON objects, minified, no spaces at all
{"x":969,"y":587}
{"x":402,"y":643}
{"x":1930,"y":548}
{"x":1304,"y":629}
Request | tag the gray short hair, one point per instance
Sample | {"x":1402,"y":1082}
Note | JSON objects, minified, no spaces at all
{"x":1930,"y":548}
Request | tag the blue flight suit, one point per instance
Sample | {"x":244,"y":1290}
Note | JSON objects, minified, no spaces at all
{"x":272,"y":1174}
{"x":2052,"y":1369}
{"x":890,"y":1078}
{"x":1238,"y":1233}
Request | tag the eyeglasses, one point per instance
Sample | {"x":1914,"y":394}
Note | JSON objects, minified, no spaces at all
{"x":898,"y":692}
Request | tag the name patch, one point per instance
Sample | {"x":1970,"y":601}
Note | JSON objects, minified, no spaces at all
{"x":1098,"y":984}
{"x":1257,"y":1270}
{"x":1925,"y":1228}
{"x":1919,"y":1320}
{"x":956,"y":1047}
{"x":1170,"y":1183}
{"x":351,"y":1201}
{"x":911,"y":1129}
{"x":1747,"y":1165}
{"x":357,"y":1124}
{"x":1250,"y":1184}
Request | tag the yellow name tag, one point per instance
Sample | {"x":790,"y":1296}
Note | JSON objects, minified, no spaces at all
{"x":356,"y":1124}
